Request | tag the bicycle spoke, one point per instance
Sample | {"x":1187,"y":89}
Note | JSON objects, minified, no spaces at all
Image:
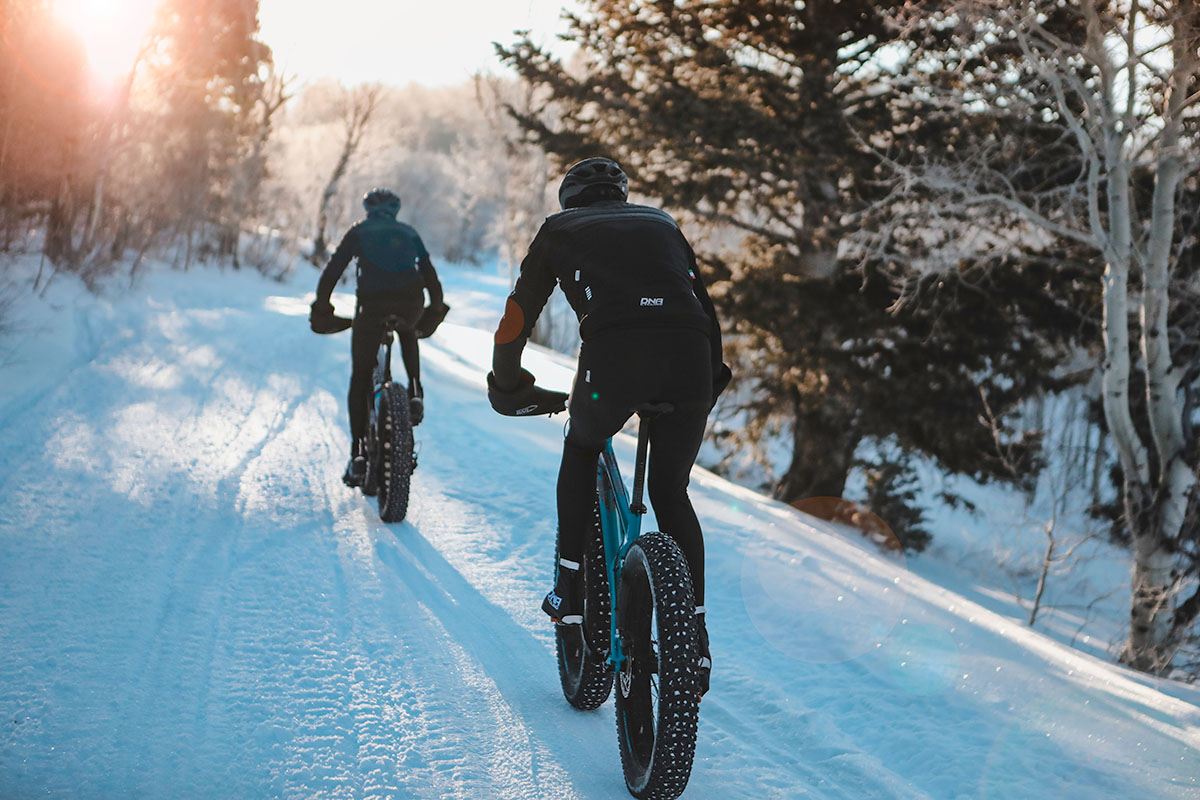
{"x":654,"y":676}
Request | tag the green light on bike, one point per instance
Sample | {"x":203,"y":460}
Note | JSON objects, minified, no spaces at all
{"x":595,"y":395}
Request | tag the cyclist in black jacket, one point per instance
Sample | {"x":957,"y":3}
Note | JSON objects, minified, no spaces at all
{"x":649,"y":334}
{"x":393,"y":274}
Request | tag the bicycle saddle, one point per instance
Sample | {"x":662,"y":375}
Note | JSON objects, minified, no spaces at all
{"x":652,"y":410}
{"x":391,"y":323}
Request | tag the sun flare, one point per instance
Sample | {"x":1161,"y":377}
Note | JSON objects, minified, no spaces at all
{"x":112,"y":32}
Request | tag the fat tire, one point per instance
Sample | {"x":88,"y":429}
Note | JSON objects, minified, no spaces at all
{"x":370,"y":484}
{"x":655,"y":604}
{"x":582,"y":650}
{"x":395,"y":438}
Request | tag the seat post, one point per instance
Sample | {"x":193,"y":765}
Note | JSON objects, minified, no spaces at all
{"x":639,"y":468}
{"x":388,"y":336}
{"x":646,"y":413}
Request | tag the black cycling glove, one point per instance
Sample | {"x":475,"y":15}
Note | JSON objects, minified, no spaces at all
{"x":430,"y":318}
{"x":321,"y":318}
{"x":525,"y":399}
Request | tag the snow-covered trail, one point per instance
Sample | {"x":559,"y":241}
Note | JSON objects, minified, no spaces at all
{"x":192,"y":605}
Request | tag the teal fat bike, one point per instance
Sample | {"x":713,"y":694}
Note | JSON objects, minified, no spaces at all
{"x":390,"y":456}
{"x":639,"y":631}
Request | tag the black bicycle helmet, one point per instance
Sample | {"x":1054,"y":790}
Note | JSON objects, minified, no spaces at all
{"x":380,"y":197}
{"x":589,"y":173}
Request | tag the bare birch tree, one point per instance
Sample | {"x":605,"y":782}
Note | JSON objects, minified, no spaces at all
{"x":1122,"y":82}
{"x":358,"y":106}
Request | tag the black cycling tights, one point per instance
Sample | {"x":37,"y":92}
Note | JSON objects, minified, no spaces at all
{"x":364,"y":350}
{"x":617,"y":371}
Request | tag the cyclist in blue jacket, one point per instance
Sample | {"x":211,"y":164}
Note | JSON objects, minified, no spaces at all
{"x":393,"y":274}
{"x":649,"y":334}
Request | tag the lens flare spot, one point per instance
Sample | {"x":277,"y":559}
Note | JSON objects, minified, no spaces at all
{"x":112,"y":32}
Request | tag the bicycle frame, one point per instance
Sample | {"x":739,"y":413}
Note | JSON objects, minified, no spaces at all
{"x":382,"y":373}
{"x":620,"y":523}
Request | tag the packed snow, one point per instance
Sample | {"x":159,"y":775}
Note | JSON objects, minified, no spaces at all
{"x":192,"y":605}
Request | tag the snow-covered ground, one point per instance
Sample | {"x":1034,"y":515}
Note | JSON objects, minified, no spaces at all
{"x":192,"y":605}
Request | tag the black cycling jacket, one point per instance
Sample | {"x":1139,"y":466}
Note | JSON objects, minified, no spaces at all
{"x":620,"y":265}
{"x":391,"y":258}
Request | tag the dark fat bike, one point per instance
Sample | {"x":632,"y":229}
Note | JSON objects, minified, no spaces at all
{"x":390,"y":458}
{"x":639,"y":625}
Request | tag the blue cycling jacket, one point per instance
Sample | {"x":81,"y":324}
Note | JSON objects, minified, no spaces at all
{"x":390,"y":257}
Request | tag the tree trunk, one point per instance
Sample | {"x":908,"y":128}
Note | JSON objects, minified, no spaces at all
{"x":1047,"y":561}
{"x":1156,"y":502}
{"x":823,"y":445}
{"x":187,"y":259}
{"x":1152,"y":607}
{"x":360,"y":106}
{"x":320,"y":245}
{"x":1099,"y":462}
{"x":59,"y":244}
{"x":95,"y":210}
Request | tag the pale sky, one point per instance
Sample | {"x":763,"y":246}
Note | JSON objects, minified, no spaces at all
{"x":398,"y":41}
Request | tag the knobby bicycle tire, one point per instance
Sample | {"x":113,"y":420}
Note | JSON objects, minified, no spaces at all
{"x":370,"y":484}
{"x":395,"y":438}
{"x":583,"y":667}
{"x":657,"y":692}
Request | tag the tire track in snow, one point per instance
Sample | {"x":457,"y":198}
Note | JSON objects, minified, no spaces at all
{"x":87,"y":347}
{"x":829,"y":763}
{"x":308,"y":649}
{"x":187,"y":627}
{"x":308,"y":658}
{"x":481,"y":684}
{"x":219,"y":573}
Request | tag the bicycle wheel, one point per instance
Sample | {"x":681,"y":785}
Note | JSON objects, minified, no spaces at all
{"x":583,"y":666}
{"x":395,"y":453}
{"x":657,"y":696}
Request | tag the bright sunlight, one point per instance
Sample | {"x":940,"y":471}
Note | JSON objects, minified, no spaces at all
{"x":112,"y":32}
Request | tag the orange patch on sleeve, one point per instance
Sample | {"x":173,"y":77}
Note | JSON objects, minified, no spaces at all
{"x":512,"y":324}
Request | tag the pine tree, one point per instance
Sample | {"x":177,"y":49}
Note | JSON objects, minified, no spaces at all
{"x":753,"y":117}
{"x":891,"y":493}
